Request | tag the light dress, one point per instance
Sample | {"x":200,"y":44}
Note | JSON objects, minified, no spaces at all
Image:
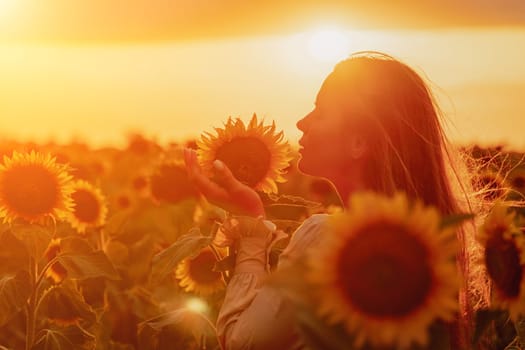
{"x":254,"y":316}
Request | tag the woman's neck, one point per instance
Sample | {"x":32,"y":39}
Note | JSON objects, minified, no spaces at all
{"x":346,"y":187}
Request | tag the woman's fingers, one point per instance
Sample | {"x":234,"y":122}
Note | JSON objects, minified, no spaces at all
{"x":206,"y":186}
{"x":224,"y":190}
{"x":209,"y":188}
{"x":224,"y":176}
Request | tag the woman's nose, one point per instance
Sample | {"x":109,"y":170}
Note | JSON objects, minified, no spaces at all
{"x":302,"y":124}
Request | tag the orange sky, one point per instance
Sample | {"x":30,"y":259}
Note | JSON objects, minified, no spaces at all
{"x":146,"y":20}
{"x":97,"y":70}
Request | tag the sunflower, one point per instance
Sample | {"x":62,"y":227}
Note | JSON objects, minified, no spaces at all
{"x":90,"y":208}
{"x":197,"y":275}
{"x":33,"y":186}
{"x":139,"y":183}
{"x":123,"y":201}
{"x":386,"y":271}
{"x":490,"y":184}
{"x":170,"y":182}
{"x":255,"y":153}
{"x":504,"y":259}
{"x":55,"y":272}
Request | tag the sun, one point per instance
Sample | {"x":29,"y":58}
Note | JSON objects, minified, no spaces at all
{"x":328,"y":44}
{"x":8,"y":9}
{"x":5,"y":6}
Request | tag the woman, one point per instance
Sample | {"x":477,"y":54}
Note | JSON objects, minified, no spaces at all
{"x":375,"y":126}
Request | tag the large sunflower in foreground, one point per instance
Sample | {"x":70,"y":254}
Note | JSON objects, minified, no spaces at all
{"x":33,"y":186}
{"x":256,"y":154}
{"x":504,"y":259}
{"x":89,"y":206}
{"x":197,"y":275}
{"x":386,"y":271}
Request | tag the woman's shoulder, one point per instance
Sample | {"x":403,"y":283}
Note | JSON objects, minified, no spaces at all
{"x":306,"y":236}
{"x":312,"y":224}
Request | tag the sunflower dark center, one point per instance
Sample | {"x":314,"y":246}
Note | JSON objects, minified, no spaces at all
{"x":30,"y":190}
{"x":87,"y":207}
{"x":201,"y":268}
{"x":247,"y":157}
{"x":502,"y":259}
{"x":384,"y":271}
{"x":171,"y":184}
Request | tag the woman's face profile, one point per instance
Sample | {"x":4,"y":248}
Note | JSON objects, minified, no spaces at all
{"x":322,"y":145}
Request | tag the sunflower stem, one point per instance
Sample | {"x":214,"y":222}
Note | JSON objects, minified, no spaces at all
{"x":31,"y":315}
{"x":39,"y":302}
{"x":202,"y":344}
{"x":43,"y":273}
{"x":100,"y":239}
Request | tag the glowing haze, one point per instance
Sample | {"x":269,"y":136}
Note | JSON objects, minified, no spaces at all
{"x":96,"y":69}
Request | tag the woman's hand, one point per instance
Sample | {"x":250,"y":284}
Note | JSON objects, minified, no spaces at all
{"x":226,"y":192}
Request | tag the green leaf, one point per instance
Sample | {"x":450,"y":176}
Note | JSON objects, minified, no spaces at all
{"x":75,"y":245}
{"x":117,"y":252}
{"x":64,"y":338}
{"x":35,"y":237}
{"x":14,"y":292}
{"x":274,"y":199}
{"x":455,"y":219}
{"x":286,"y":207}
{"x":15,"y":258}
{"x":183,"y":322}
{"x":63,"y":304}
{"x":117,"y":223}
{"x":141,"y":252}
{"x":82,"y":266}
{"x":186,"y":246}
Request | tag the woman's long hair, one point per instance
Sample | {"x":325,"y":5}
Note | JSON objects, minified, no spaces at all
{"x":409,"y":151}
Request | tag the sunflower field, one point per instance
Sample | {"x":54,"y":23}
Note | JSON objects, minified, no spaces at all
{"x":115,"y":249}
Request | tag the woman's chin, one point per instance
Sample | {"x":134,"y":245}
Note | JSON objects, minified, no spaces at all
{"x":302,"y":166}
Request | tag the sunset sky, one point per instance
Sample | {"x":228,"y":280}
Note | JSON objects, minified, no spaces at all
{"x":97,"y":69}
